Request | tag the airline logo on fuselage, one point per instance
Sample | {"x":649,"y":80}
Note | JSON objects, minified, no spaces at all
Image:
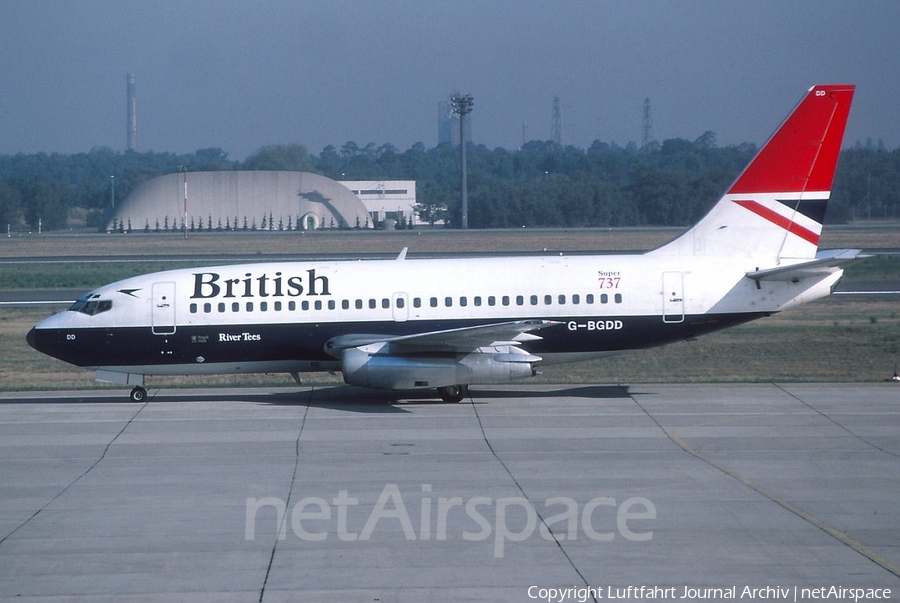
{"x":209,"y":285}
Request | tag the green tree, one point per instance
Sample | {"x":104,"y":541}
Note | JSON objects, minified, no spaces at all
{"x":45,"y":207}
{"x":9,"y":205}
{"x":280,"y":157}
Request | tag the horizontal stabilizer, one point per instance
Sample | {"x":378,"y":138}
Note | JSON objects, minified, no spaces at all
{"x":826,"y":262}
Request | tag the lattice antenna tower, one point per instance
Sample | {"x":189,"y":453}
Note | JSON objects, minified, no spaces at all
{"x":556,"y":133}
{"x":132,"y":113}
{"x":647,"y":128}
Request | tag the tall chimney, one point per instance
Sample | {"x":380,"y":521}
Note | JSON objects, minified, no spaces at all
{"x":132,"y":114}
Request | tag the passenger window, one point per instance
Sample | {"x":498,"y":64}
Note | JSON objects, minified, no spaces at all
{"x":433,"y":301}
{"x":589,"y":298}
{"x":618,"y":298}
{"x":359,"y":304}
{"x":505,"y":300}
{"x":385,"y":303}
{"x":548,"y":299}
{"x":417,"y":302}
{"x":318,"y":304}
{"x":278,"y":306}
{"x":492,"y":301}
{"x":477,"y":300}
{"x":332,"y":304}
{"x":249,"y":306}
{"x":221,"y":307}
{"x":604,"y":298}
{"x":263,"y":306}
{"x":345,"y":304}
{"x":372,"y":304}
{"x":292,"y":306}
{"x":207,"y":308}
{"x":193,"y":308}
{"x":463,"y":302}
{"x":448,"y":301}
{"x":520,"y":301}
{"x":534,"y":300}
{"x":400,"y":302}
{"x":235,"y":307}
{"x":576,"y":299}
{"x":562,"y":300}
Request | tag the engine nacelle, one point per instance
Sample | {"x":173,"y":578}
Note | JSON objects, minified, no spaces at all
{"x":367,"y":367}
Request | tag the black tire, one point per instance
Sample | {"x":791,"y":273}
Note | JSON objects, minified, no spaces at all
{"x":138,"y":394}
{"x":453,"y":393}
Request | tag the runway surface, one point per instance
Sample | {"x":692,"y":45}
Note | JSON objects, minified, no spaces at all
{"x":344,"y":494}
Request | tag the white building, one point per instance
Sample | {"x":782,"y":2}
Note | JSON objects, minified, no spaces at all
{"x":387,"y":199}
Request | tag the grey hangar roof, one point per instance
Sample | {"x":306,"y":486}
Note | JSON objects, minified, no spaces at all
{"x":264,"y":199}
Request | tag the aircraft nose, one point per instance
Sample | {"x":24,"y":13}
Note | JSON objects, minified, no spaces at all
{"x":30,"y":338}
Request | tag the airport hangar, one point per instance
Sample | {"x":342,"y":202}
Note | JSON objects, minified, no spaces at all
{"x":262,"y":200}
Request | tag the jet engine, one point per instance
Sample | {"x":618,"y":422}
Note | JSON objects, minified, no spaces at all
{"x":373,"y":366}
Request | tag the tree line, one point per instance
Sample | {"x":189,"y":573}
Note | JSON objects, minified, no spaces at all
{"x":541,"y":184}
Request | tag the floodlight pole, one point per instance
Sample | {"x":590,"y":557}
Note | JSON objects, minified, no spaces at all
{"x":462,"y":106}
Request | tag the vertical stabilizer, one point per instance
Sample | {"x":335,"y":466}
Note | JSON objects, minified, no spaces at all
{"x":775,"y":209}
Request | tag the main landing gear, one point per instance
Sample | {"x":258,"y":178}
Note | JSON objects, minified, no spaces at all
{"x":453,"y":393}
{"x":138,"y":394}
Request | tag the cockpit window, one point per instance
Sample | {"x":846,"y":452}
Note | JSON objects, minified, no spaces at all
{"x":88,"y":304}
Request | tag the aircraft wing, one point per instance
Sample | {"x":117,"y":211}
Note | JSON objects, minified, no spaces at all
{"x":825,"y":263}
{"x":465,"y":339}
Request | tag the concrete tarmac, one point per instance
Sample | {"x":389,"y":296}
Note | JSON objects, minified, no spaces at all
{"x":345,"y":494}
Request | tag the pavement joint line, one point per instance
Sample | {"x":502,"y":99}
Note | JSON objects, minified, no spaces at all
{"x":540,"y":517}
{"x":841,"y":536}
{"x":283,"y":526}
{"x":77,"y":479}
{"x":833,"y":422}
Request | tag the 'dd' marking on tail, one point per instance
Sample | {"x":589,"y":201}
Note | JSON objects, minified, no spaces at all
{"x":775,"y":209}
{"x":779,"y":220}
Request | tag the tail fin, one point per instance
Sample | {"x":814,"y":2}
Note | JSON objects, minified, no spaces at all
{"x":775,"y":209}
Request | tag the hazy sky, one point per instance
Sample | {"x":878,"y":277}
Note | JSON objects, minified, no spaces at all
{"x":243,"y":74}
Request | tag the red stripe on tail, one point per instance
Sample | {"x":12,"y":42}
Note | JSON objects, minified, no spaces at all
{"x":779,"y":220}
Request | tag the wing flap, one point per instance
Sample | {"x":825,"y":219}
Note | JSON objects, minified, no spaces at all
{"x":464,"y":339}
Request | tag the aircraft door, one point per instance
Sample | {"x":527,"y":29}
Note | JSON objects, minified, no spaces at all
{"x":163,"y":312}
{"x":400,"y":307}
{"x":673,"y":297}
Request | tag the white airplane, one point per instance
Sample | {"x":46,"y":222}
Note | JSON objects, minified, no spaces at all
{"x":451,"y":323}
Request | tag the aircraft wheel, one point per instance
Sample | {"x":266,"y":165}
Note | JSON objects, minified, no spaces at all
{"x":138,"y":394}
{"x":453,"y":393}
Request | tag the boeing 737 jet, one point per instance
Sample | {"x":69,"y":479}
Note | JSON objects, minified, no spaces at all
{"x":454,"y":322}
